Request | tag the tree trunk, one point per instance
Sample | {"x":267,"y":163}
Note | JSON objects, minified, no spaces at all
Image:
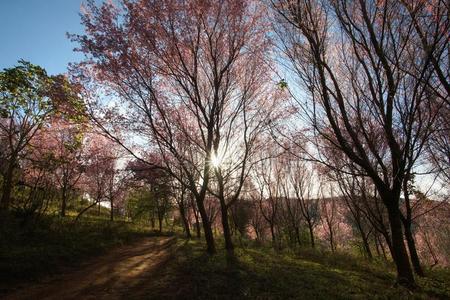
{"x":111,"y":216}
{"x":365,"y":240}
{"x":366,"y":246}
{"x":297,"y":235}
{"x":184,"y":218}
{"x":7,"y":188}
{"x":404,"y":272}
{"x":197,"y":221}
{"x":226,"y":227}
{"x":272,"y":232}
{"x":160,"y":223}
{"x":210,"y":244}
{"x":311,"y":234}
{"x":152,"y":221}
{"x":85,"y":210}
{"x":376,"y":247}
{"x":413,"y":251}
{"x":407,"y":222}
{"x":383,"y":250}
{"x":64,"y":201}
{"x":332,"y":240}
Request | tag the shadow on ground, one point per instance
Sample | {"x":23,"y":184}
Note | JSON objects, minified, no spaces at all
{"x":262,"y":274}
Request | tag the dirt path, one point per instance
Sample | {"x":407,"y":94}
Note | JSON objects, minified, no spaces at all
{"x":112,"y":276}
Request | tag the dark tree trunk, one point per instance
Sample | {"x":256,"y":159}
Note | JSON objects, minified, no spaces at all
{"x":379,"y":242}
{"x":311,"y":235}
{"x":198,"y":228}
{"x":399,"y":254}
{"x":226,"y":226}
{"x":184,"y":218}
{"x":413,"y":251}
{"x":160,"y":223}
{"x":407,"y":222}
{"x":332,"y":240}
{"x":111,"y":215}
{"x":85,"y":210}
{"x":272,"y":232}
{"x":366,"y":246}
{"x":197,"y":221}
{"x":376,"y":247}
{"x":64,"y":201}
{"x":364,"y":239}
{"x":152,"y":221}
{"x":297,"y":235}
{"x":7,"y":188}
{"x":209,"y":237}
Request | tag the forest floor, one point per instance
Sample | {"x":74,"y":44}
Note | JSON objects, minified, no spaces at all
{"x":115,"y":275}
{"x":176,"y":268}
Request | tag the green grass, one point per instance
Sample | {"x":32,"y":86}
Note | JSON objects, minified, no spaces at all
{"x":29,"y":251}
{"x":260,"y":273}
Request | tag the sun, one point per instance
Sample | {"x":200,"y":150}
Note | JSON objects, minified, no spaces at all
{"x":215,"y":161}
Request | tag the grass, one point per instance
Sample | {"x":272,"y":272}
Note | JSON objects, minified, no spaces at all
{"x":260,"y":273}
{"x":30,"y":251}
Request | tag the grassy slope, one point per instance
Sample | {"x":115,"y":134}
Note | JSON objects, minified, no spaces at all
{"x":27,"y":252}
{"x":258,"y":273}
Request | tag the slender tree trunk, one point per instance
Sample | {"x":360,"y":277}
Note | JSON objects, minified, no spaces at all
{"x":399,"y":254}
{"x":311,"y":234}
{"x":209,"y":237}
{"x":332,"y":240}
{"x":226,"y":226}
{"x":383,"y":250}
{"x":160,"y":223}
{"x":365,"y":241}
{"x":257,"y":233}
{"x":413,"y":251}
{"x":197,"y":221}
{"x":111,"y":216}
{"x":376,"y":246}
{"x":184,"y":218}
{"x":64,"y":201}
{"x":297,"y":235}
{"x":7,"y":188}
{"x":367,"y":246}
{"x":85,"y":210}
{"x":272,"y":232}
{"x":430,"y":248}
{"x":407,"y":222}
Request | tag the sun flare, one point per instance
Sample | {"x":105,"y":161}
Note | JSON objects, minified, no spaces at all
{"x":215,"y":161}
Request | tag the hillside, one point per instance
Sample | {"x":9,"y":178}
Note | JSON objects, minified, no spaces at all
{"x":155,"y":267}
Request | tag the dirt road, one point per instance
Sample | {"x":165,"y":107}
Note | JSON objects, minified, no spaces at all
{"x":113,"y":276}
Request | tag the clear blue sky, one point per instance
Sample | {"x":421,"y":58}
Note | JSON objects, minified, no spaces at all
{"x":35,"y":30}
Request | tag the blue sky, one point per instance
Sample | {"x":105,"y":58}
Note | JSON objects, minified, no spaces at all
{"x":35,"y":30}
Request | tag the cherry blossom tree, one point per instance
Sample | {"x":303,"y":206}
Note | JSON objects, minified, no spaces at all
{"x":368,"y":92}
{"x":185,"y":70}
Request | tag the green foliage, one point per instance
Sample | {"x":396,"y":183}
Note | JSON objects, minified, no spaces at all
{"x":27,"y":90}
{"x":140,"y":206}
{"x":23,"y":90}
{"x":144,"y":204}
{"x":282,"y":84}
